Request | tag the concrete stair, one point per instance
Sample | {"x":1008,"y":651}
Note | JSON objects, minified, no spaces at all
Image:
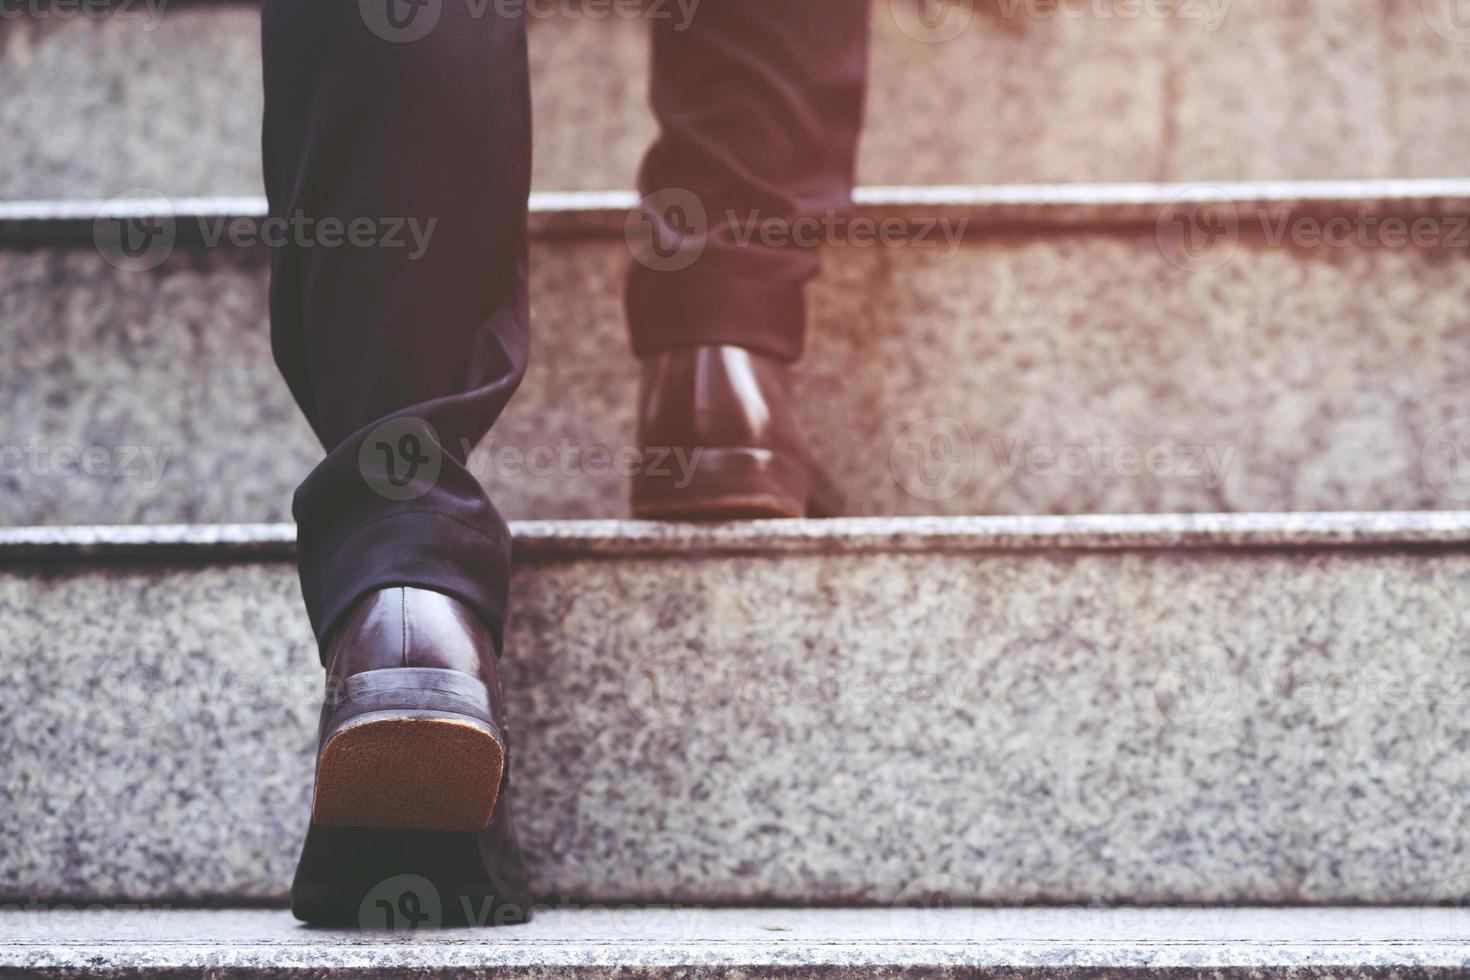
{"x":1063,"y":356}
{"x":914,"y":940}
{"x":1213,"y":90}
{"x":1221,"y":709}
{"x":1132,"y":743}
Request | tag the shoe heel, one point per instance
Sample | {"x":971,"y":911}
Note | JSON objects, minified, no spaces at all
{"x":409,"y":748}
{"x":723,"y":484}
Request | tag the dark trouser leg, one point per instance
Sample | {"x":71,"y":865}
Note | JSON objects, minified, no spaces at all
{"x":402,"y":361}
{"x":759,"y":104}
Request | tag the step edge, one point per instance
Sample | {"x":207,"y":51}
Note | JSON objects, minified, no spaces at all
{"x":1162,"y":957}
{"x":675,"y":937}
{"x":554,"y":539}
{"x":596,"y":214}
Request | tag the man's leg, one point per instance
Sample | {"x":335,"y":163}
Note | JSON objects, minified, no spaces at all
{"x":397,"y":152}
{"x":759,"y":104}
{"x":412,"y":121}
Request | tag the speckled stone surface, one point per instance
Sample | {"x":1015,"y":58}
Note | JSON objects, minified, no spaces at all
{"x":682,"y":942}
{"x":1280,"y":724}
{"x":1314,"y":88}
{"x":1071,"y":370}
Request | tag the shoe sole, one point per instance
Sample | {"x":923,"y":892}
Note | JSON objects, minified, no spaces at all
{"x":718,"y":508}
{"x":414,"y":770}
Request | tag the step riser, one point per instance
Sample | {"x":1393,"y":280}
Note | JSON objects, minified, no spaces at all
{"x":1376,"y":93}
{"x":1098,"y":377}
{"x":1209,"y":725}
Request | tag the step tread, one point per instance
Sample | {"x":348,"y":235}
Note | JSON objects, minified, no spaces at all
{"x":1090,"y":532}
{"x":562,"y":213}
{"x":1158,"y":938}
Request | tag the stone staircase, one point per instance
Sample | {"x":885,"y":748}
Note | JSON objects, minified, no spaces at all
{"x":1142,"y":653}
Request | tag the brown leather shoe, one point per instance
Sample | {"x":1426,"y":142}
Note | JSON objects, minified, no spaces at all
{"x":717,"y":425}
{"x":411,"y":734}
{"x":410,"y":825}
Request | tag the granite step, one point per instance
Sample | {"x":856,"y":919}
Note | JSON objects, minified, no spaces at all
{"x":913,"y":940}
{"x":1227,"y":709}
{"x":996,"y":91}
{"x":1018,"y":349}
